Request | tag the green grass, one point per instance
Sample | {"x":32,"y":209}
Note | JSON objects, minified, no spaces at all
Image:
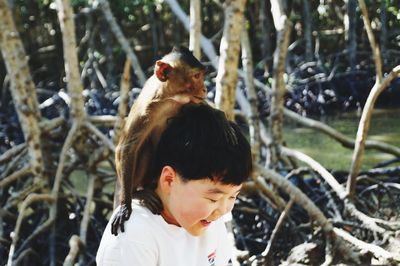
{"x":385,"y":127}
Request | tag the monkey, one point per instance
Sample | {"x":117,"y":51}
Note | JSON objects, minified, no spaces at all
{"x":178,"y":79}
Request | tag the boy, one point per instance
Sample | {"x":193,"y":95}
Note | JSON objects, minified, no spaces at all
{"x":201,"y":161}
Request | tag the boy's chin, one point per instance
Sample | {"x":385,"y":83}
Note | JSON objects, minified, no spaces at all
{"x":197,"y":230}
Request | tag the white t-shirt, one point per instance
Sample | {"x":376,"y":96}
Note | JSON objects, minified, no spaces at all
{"x":149,"y":240}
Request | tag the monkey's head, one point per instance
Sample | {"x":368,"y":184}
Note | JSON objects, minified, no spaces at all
{"x":180,"y":72}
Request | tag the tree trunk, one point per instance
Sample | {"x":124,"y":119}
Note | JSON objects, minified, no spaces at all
{"x":124,"y":100}
{"x":308,"y":26}
{"x":108,"y":43}
{"x":75,"y":91}
{"x":154,"y":34}
{"x":363,"y":128}
{"x":383,"y":35}
{"x":74,"y":84}
{"x":120,"y":121}
{"x":206,"y":44}
{"x":195,"y":28}
{"x":105,"y":7}
{"x":247,"y":63}
{"x":278,"y":10}
{"x":350,"y":26}
{"x":379,"y":86}
{"x":22,"y":88}
{"x":283,"y":26}
{"x":266,"y":31}
{"x":371,"y":38}
{"x":229,"y":57}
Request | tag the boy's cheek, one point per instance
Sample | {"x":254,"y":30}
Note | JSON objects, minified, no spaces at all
{"x":189,"y":211}
{"x":231,"y":207}
{"x":196,"y":213}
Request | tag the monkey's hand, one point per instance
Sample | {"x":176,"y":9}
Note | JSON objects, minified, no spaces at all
{"x":119,"y":219}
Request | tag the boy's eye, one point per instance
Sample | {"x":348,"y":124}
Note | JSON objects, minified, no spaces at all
{"x":213,"y":201}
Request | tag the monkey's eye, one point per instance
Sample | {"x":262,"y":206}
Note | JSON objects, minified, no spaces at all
{"x":197,"y":75}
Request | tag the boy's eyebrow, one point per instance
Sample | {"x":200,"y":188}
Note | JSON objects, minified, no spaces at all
{"x":218,"y":191}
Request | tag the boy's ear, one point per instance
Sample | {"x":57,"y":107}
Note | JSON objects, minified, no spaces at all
{"x":162,"y":70}
{"x":167,"y":178}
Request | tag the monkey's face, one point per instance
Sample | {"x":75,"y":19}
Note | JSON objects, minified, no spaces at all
{"x":179,"y":78}
{"x":195,"y":205}
{"x":193,"y":83}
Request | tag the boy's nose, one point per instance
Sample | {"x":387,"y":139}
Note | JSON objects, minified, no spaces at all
{"x":215,"y":215}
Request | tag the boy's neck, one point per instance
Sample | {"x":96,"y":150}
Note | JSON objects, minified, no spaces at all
{"x":165,"y":214}
{"x":168,"y":218}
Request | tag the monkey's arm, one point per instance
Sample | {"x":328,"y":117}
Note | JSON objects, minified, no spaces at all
{"x":141,"y":159}
{"x":125,"y":154}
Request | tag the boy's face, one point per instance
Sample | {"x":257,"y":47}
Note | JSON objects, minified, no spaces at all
{"x":194,"y":205}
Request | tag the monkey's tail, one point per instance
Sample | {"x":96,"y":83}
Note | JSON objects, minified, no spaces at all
{"x":149,"y":199}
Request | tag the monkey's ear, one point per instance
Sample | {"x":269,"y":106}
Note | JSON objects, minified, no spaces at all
{"x":162,"y":70}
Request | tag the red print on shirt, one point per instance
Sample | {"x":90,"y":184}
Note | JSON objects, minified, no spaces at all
{"x":211,"y":258}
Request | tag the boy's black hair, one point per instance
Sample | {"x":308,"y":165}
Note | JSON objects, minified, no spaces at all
{"x":201,"y":143}
{"x":198,"y":143}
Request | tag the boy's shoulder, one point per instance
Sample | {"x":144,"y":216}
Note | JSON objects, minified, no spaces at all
{"x":141,"y":227}
{"x":141,"y":218}
{"x":138,"y":233}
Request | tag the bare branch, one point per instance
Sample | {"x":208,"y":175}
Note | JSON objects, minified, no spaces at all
{"x":86,"y":213}
{"x":328,"y":177}
{"x":99,"y":134}
{"x":25,"y":204}
{"x":123,"y":101}
{"x":75,"y":246}
{"x":371,"y":38}
{"x":313,"y":211}
{"x":67,"y":144}
{"x":339,"y":189}
{"x":5,"y":157}
{"x":105,"y":8}
{"x":22,"y":88}
{"x":363,"y":128}
{"x":74,"y":84}
{"x":267,"y":252}
{"x":253,"y":116}
{"x":269,"y":193}
{"x":229,"y":50}
{"x":206,"y":44}
{"x":103,"y":120}
{"x":15,"y":176}
{"x":195,"y":28}
{"x":283,"y":26}
{"x":374,"y":249}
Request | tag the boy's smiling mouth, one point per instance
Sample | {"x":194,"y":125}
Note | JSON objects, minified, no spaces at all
{"x":205,"y":222}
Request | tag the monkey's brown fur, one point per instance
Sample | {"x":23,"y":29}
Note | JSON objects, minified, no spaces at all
{"x":178,"y":79}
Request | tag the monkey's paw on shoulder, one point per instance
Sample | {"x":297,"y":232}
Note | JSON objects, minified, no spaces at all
{"x":120,"y":217}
